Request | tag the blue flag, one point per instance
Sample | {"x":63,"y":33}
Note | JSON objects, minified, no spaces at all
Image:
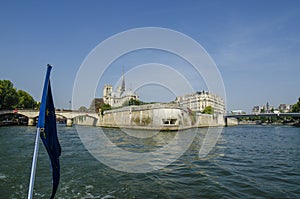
{"x":48,"y":131}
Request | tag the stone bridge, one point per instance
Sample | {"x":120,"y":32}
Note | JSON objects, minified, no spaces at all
{"x":32,"y":115}
{"x":293,"y":115}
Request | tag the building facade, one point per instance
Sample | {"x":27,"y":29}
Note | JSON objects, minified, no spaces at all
{"x":200,"y":100}
{"x":285,"y":108}
{"x":263,"y":109}
{"x":118,"y":97}
{"x":256,"y":109}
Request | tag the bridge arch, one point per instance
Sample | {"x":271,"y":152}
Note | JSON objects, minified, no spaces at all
{"x":81,"y":118}
{"x":85,"y":119}
{"x":10,"y":118}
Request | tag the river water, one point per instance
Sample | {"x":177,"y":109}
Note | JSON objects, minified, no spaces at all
{"x":247,"y":162}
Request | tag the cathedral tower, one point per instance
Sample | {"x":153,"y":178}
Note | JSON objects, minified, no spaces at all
{"x":107,"y":90}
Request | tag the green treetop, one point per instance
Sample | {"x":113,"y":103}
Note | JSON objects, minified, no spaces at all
{"x":208,"y":110}
{"x":296,"y":107}
{"x":8,"y":95}
{"x":25,"y":100}
{"x":11,"y":98}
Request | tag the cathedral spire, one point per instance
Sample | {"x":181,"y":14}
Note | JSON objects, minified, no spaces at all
{"x":123,"y":81}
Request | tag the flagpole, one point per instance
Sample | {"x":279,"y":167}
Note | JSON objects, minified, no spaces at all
{"x":39,"y":127}
{"x":34,"y":161}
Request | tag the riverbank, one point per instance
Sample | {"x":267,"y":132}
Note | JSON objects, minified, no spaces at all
{"x":258,"y":122}
{"x":165,"y":117}
{"x":160,"y":116}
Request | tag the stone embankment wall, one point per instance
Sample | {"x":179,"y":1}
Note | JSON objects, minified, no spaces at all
{"x":157,"y":117}
{"x":232,"y":122}
{"x":86,"y":121}
{"x":154,"y":116}
{"x":205,"y":120}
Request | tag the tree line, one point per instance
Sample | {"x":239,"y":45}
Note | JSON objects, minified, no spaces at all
{"x":11,"y":98}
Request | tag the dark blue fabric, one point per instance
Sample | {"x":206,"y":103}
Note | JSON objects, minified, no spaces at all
{"x":50,"y":140}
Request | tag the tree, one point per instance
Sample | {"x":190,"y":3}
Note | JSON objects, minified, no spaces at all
{"x":83,"y":109}
{"x":11,"y":98}
{"x":296,"y":107}
{"x":25,"y":100}
{"x":208,"y":110}
{"x":8,"y":95}
{"x":96,"y":104}
{"x":132,"y":102}
{"x":104,"y":107}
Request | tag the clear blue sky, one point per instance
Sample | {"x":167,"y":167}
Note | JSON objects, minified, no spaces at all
{"x":255,"y":44}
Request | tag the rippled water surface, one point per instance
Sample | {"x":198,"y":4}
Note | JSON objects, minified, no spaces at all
{"x":247,"y":162}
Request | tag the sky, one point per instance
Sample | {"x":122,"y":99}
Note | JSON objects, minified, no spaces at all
{"x":255,"y":46}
